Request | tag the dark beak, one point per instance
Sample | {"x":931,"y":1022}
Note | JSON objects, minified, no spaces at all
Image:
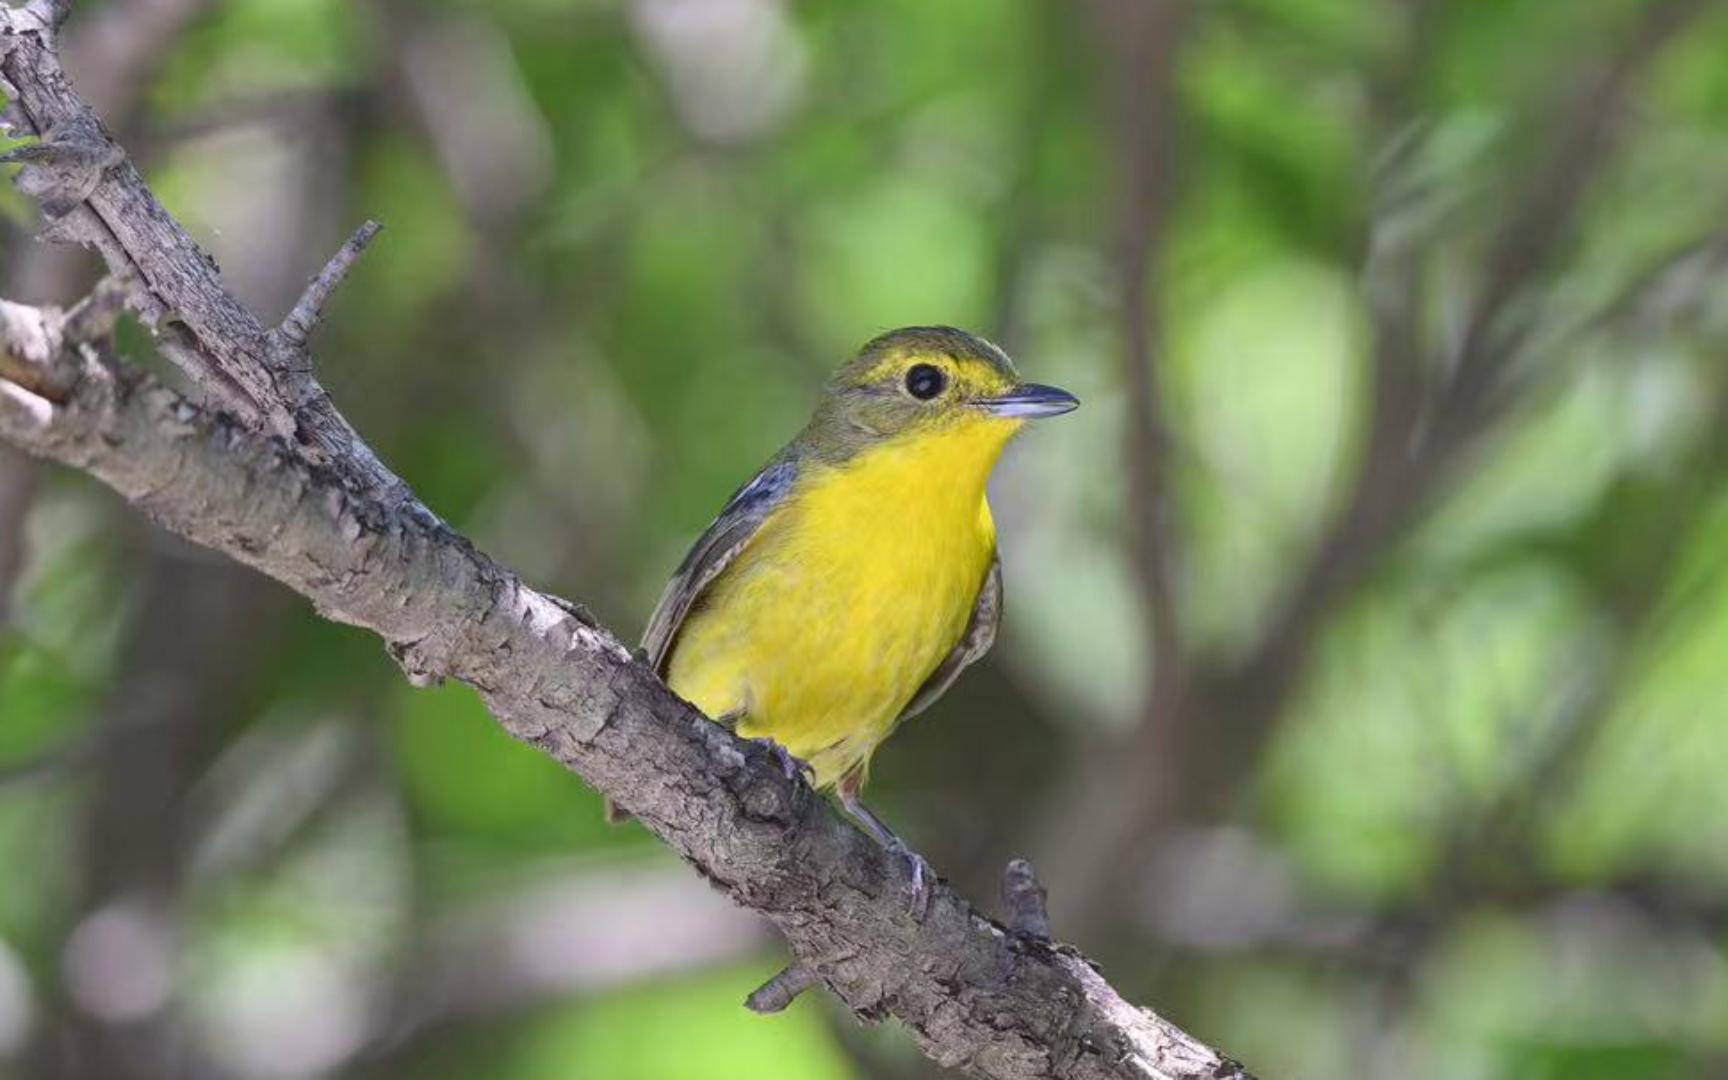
{"x":1028,"y":401}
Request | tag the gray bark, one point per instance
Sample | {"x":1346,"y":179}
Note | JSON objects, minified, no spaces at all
{"x":283,"y":485}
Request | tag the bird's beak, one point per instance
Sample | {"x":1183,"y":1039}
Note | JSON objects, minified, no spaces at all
{"x":1028,"y":401}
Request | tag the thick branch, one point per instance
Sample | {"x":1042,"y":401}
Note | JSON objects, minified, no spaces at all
{"x":978,"y":997}
{"x":320,"y":514}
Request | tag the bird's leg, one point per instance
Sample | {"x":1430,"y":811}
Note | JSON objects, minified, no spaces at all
{"x":790,"y":764}
{"x":921,"y":870}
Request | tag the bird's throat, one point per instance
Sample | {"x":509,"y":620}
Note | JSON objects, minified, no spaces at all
{"x":930,"y":474}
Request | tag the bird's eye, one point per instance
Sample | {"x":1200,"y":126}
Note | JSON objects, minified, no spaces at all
{"x":925,"y":381}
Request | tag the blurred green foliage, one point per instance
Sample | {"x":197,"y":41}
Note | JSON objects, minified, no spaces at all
{"x":625,"y":243}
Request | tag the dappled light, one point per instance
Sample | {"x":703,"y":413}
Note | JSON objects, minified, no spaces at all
{"x":1360,"y":689}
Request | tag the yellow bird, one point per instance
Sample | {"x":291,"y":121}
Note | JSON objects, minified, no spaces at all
{"x":844,"y":588}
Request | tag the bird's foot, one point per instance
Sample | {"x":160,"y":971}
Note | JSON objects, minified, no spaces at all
{"x":790,"y":764}
{"x":918,"y":891}
{"x":923,"y":874}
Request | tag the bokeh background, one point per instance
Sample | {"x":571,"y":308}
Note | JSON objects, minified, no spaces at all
{"x":1361,"y":695}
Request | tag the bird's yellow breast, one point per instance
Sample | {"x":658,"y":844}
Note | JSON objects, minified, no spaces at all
{"x":850,"y":595}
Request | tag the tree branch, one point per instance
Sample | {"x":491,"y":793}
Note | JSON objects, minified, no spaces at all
{"x":296,"y":329}
{"x":1144,"y":38}
{"x":115,"y":51}
{"x":318,"y":512}
{"x":774,"y":995}
{"x":977,"y":996}
{"x":1023,"y":898}
{"x":94,"y":196}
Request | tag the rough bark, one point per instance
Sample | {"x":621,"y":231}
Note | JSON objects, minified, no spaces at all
{"x":283,"y":485}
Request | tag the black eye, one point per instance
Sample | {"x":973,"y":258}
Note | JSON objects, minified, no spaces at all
{"x":924,"y":381}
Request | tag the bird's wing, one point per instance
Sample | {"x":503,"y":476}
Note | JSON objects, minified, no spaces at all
{"x":730,"y":533}
{"x":975,"y":642}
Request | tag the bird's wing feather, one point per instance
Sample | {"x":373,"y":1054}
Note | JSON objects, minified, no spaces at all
{"x":730,"y":533}
{"x":975,"y":642}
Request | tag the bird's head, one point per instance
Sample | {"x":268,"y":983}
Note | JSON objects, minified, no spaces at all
{"x":930,"y":380}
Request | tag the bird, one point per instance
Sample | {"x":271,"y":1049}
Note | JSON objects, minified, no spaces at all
{"x":844,"y":588}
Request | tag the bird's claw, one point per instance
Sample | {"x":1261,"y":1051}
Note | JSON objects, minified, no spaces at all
{"x":923,"y":873}
{"x":790,"y":764}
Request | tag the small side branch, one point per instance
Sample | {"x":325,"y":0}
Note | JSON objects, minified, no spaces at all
{"x":63,"y":168}
{"x":774,"y":995}
{"x":308,"y":311}
{"x":1023,"y":900}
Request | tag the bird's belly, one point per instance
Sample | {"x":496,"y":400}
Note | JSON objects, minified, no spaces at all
{"x":820,"y":644}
